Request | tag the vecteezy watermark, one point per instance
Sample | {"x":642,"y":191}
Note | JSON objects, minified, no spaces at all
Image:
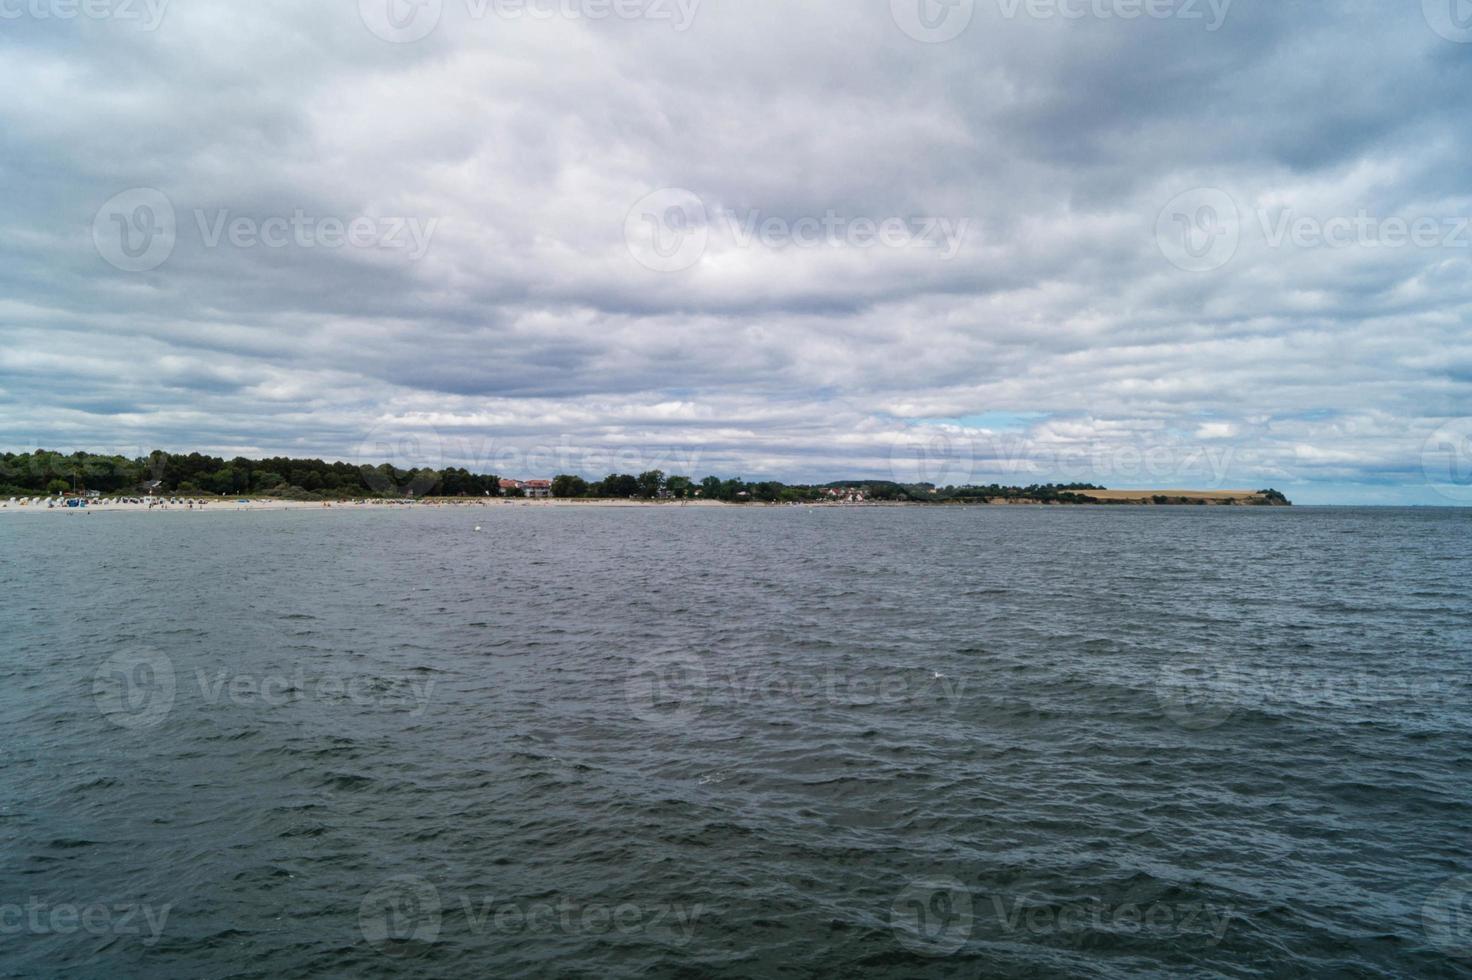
{"x":407,"y":21}
{"x":1207,"y":694}
{"x":401,"y":21}
{"x":1199,"y":696}
{"x":402,"y":459}
{"x":306,"y":231}
{"x":938,"y":916}
{"x":933,"y":21}
{"x":1447,"y":917}
{"x":1211,"y":13}
{"x":1199,"y":230}
{"x":136,"y":689}
{"x":667,"y":690}
{"x":675,"y":689}
{"x":280,"y":689}
{"x":952,"y":455}
{"x":399,"y":914}
{"x":1072,"y":921}
{"x":1362,"y":230}
{"x":1162,"y":466}
{"x":670,"y":230}
{"x":1202,"y":229}
{"x":667,"y":230}
{"x":1446,"y":460}
{"x":42,"y":917}
{"x":407,"y":456}
{"x":147,"y":14}
{"x":833,"y":230}
{"x":933,"y":917}
{"x":138,"y":230}
{"x":932,"y":454}
{"x":406,"y":912}
{"x":1450,"y":19}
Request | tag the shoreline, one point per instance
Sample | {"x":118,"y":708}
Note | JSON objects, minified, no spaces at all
{"x":1107,"y":498}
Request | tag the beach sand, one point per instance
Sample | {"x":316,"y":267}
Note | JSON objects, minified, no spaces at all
{"x":1148,"y":496}
{"x":220,"y":505}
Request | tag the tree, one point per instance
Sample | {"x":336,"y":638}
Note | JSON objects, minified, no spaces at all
{"x":569,"y":486}
{"x":619,"y":485}
{"x":651,"y":483}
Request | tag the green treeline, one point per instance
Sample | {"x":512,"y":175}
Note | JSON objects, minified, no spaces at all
{"x":43,"y":471}
{"x":313,"y":479}
{"x":50,"y":472}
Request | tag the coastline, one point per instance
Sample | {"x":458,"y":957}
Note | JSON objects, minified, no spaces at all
{"x":1148,"y":498}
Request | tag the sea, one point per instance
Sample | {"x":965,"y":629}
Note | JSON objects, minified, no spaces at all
{"x":737,"y":742}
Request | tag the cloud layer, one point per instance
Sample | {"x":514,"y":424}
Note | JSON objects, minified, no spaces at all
{"x":1140,"y":242}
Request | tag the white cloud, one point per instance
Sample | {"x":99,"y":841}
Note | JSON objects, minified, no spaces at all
{"x":528,"y":321}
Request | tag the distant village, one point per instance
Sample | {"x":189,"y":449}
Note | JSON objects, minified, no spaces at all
{"x":547,"y":488}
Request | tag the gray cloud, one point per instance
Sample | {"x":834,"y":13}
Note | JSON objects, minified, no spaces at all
{"x":1061,"y":340}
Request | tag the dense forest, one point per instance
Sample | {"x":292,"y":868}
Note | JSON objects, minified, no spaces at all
{"x":313,"y":479}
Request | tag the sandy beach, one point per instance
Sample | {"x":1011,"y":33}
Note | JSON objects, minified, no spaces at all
{"x":1174,"y":496}
{"x":217,"y":505}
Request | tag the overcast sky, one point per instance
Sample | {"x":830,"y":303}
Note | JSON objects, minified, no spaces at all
{"x":1142,"y":243}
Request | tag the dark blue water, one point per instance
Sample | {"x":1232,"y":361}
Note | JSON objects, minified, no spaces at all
{"x":737,"y":743}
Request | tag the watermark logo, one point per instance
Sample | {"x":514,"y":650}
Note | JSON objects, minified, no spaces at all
{"x":675,"y":689}
{"x":679,"y":13}
{"x":135,"y":231}
{"x":1450,"y":19}
{"x":1446,"y":459}
{"x":147,"y":14}
{"x":1202,"y":696}
{"x":1447,"y":917}
{"x":1199,"y":230}
{"x":1199,"y":697}
{"x":924,"y":454}
{"x":1364,"y":230}
{"x":301,"y":230}
{"x":674,"y":923}
{"x":401,"y":21}
{"x":1075,"y":921}
{"x":135,"y":689}
{"x":670,"y":231}
{"x":667,"y":230}
{"x":667,"y":691}
{"x":401,"y":460}
{"x":1212,"y":12}
{"x":1163,"y":466}
{"x":407,"y":21}
{"x":933,"y":21}
{"x":278,"y":690}
{"x":937,"y":917}
{"x":933,"y":917}
{"x":403,"y":912}
{"x":749,"y":227}
{"x":41,"y":917}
